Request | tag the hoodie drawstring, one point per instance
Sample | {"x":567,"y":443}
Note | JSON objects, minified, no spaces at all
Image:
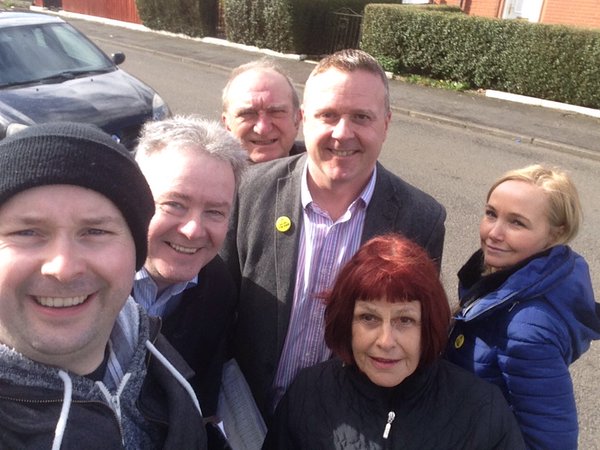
{"x":165,"y":362}
{"x":59,"y":432}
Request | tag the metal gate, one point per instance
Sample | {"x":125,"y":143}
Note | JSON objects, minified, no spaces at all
{"x":346,"y":28}
{"x":52,"y":4}
{"x":220,"y":31}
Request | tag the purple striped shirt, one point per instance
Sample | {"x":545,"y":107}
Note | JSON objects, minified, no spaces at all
{"x":325,"y":246}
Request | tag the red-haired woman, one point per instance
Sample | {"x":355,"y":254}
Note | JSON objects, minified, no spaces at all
{"x":387,"y":320}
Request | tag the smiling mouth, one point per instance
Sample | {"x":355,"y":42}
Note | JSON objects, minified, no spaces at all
{"x":264,"y":142}
{"x":60,"y":302}
{"x":342,"y":153}
{"x":182,"y":249}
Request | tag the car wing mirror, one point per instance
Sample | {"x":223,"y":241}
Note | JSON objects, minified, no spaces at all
{"x":118,"y":58}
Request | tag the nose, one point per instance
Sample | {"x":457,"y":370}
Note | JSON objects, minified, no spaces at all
{"x":496,"y":231}
{"x":63,"y":262}
{"x":342,"y":129}
{"x":192,"y":228}
{"x":263,"y":124}
{"x":386,"y":339}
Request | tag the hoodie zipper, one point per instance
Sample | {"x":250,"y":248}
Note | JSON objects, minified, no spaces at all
{"x":388,"y":426}
{"x":114,"y":402}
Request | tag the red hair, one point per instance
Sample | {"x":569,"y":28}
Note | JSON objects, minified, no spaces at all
{"x":396,"y":269}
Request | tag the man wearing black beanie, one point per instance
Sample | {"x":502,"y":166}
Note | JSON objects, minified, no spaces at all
{"x":77,"y":354}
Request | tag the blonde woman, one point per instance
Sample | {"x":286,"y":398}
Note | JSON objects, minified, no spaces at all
{"x":527,"y":303}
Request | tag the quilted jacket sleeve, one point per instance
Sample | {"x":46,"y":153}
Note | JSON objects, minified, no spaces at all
{"x":534,"y":366}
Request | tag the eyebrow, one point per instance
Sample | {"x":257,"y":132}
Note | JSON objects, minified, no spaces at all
{"x":187,"y":198}
{"x":173,"y":195}
{"x":368,"y":112}
{"x":245,"y":109}
{"x":101,"y":220}
{"x":270,"y":108}
{"x":519,"y":216}
{"x":512,"y":215}
{"x":218,"y":204}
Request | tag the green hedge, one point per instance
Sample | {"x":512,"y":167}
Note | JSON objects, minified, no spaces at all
{"x":262,"y":23}
{"x":196,"y":18}
{"x":545,"y":61}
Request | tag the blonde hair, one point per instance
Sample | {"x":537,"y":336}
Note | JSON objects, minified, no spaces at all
{"x":564,"y":207}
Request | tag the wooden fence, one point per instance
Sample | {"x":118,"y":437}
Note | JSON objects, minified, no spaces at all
{"x":124,"y":10}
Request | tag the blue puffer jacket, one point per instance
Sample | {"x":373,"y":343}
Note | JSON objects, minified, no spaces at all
{"x":521,"y":330}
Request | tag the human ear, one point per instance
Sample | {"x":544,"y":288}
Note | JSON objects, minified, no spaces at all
{"x":225,"y":122}
{"x":556,"y":234}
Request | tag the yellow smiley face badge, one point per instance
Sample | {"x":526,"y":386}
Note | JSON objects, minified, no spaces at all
{"x":459,"y":341}
{"x":283,"y":224}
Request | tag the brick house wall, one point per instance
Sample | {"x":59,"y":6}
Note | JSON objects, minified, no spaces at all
{"x":585,"y":13}
{"x":582,"y":13}
{"x":486,"y":8}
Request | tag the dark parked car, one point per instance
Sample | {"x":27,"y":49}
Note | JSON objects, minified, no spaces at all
{"x":50,"y":72}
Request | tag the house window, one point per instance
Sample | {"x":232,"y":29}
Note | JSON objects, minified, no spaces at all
{"x":523,"y":9}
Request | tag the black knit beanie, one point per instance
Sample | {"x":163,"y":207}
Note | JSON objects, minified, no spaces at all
{"x":81,"y":155}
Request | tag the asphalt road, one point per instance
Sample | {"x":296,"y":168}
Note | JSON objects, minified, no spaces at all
{"x":454,"y":165}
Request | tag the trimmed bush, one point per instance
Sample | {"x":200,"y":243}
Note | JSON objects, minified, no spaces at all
{"x":196,"y":18}
{"x":545,"y":61}
{"x":237,"y":16}
{"x":246,"y":23}
{"x":278,"y":25}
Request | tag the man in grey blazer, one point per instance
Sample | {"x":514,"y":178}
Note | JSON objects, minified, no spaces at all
{"x":296,"y":221}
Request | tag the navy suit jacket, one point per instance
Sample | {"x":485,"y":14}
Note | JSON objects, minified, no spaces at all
{"x":263,"y":260}
{"x":199,"y":330}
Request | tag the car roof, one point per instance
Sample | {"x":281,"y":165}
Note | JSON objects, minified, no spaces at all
{"x":11,"y":19}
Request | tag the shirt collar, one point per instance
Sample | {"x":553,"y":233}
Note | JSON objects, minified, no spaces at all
{"x":365,"y":195}
{"x":142,"y":276}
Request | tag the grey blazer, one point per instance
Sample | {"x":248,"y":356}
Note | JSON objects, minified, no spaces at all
{"x":263,"y":260}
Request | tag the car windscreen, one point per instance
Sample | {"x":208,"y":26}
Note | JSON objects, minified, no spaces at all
{"x":47,"y":53}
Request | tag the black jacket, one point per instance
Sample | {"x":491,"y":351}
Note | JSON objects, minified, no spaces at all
{"x":199,"y":327}
{"x":331,"y":406}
